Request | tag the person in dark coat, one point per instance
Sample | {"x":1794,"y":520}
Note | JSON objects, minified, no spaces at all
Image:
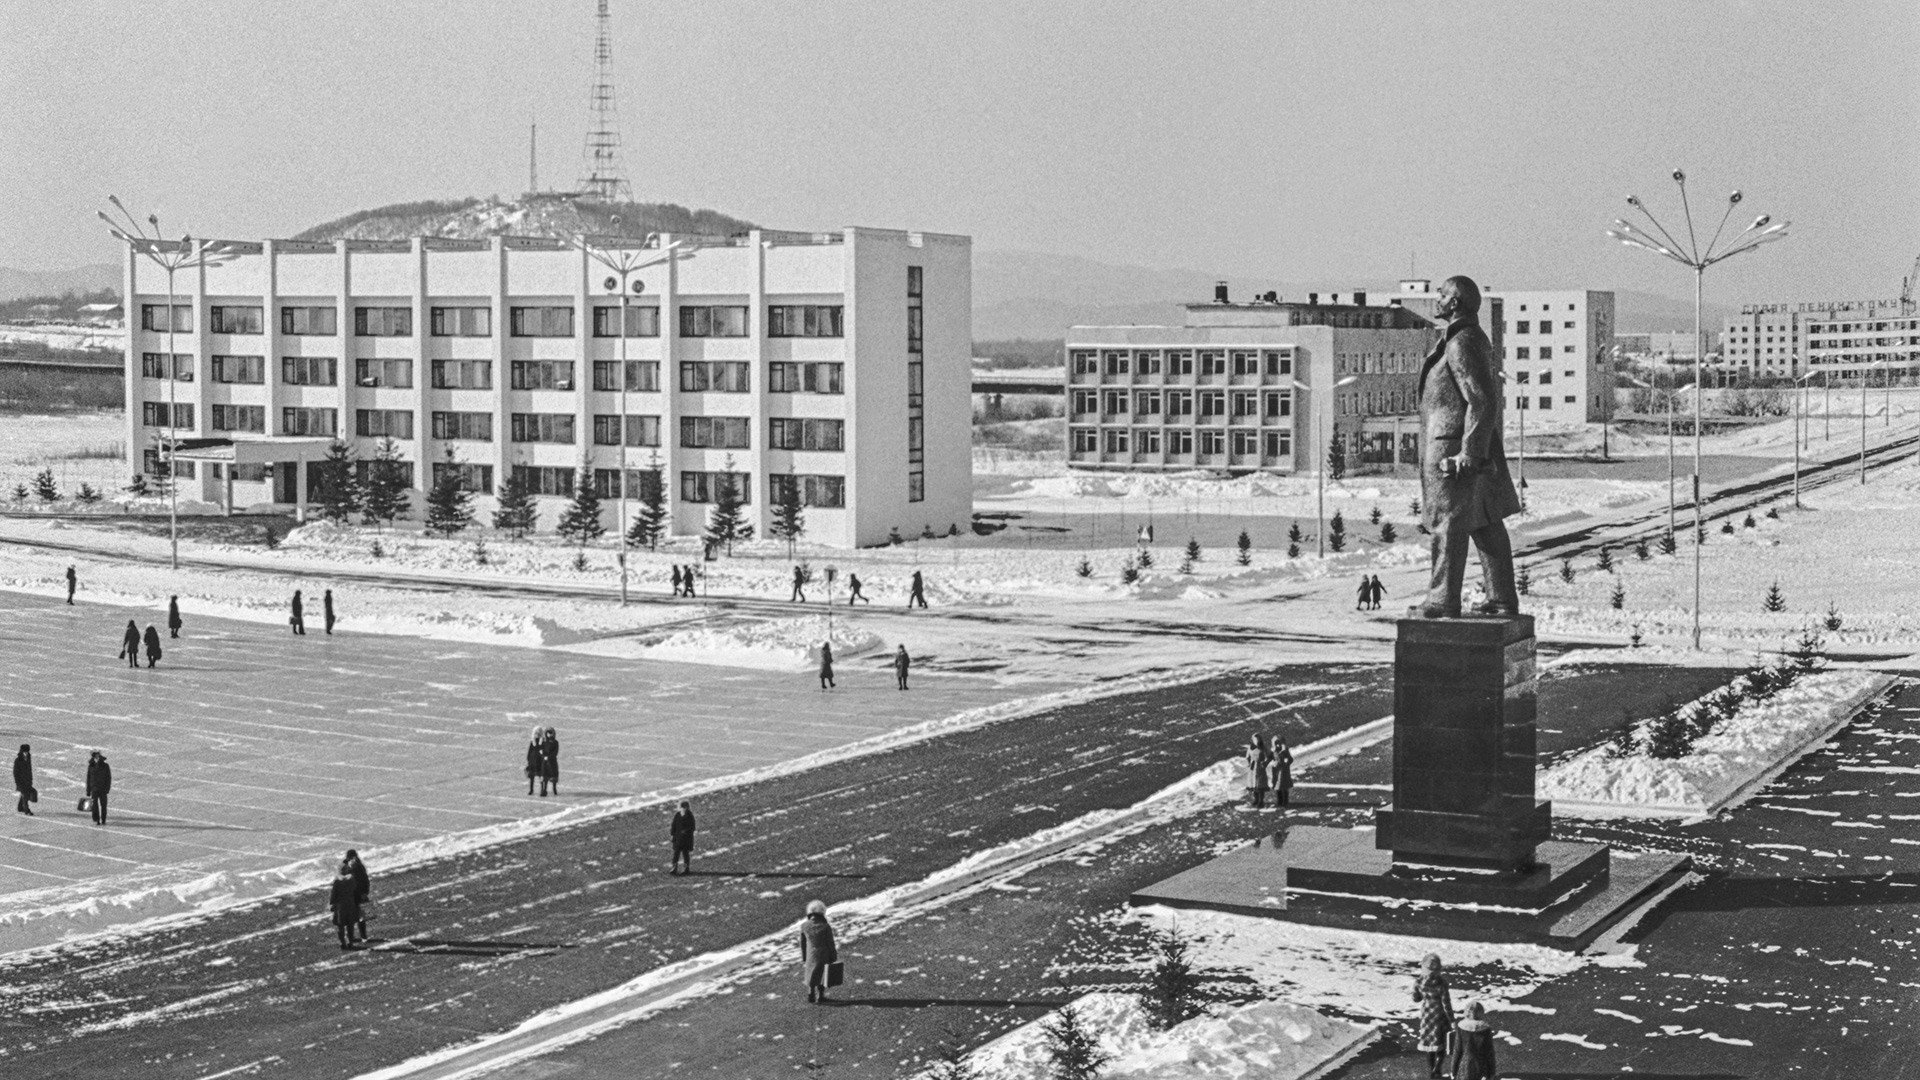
{"x":173,"y":617}
{"x":816,"y":951}
{"x":1280,"y":772}
{"x":681,"y":833}
{"x":152,"y":640}
{"x":1431,"y":993}
{"x":550,"y":762}
{"x":1375,"y":591}
{"x":1254,"y":771}
{"x":362,"y":888}
{"x":689,"y":578}
{"x":918,"y":595}
{"x":1473,"y":1046}
{"x":799,"y":579}
{"x":342,"y":898}
{"x":23,"y":779}
{"x":73,"y":582}
{"x":99,"y":782}
{"x":326,"y":611}
{"x":535,"y":759}
{"x":298,"y":620}
{"x":826,"y":665}
{"x":676,"y":579}
{"x":901,"y":662}
{"x":1366,"y":593}
{"x":853,"y":590}
{"x":130,"y":644}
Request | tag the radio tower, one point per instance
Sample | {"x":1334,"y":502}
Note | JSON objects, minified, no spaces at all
{"x":605,"y":180}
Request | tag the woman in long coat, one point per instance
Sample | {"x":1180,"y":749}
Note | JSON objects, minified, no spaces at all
{"x":1280,"y":771}
{"x":130,"y":644}
{"x":1473,"y":1046}
{"x":1254,"y":771}
{"x":550,"y":762}
{"x":826,"y":664}
{"x":173,"y":616}
{"x":1430,"y":990}
{"x":345,"y":902}
{"x":153,"y":644}
{"x":816,"y":950}
{"x":362,"y":888}
{"x":535,"y":765}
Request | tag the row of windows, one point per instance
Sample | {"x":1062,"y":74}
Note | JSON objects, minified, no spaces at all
{"x":1544,"y":402}
{"x":807,"y":434}
{"x":1523,"y":352}
{"x":696,"y":486}
{"x":641,"y":375}
{"x":1545,"y":326}
{"x":1272,"y":444}
{"x":159,"y":414}
{"x":813,"y":490}
{"x":1376,"y":402}
{"x":1182,"y":361}
{"x":1272,"y":404}
{"x":1546,"y":377}
{"x":1376,"y":363}
{"x":548,"y":320}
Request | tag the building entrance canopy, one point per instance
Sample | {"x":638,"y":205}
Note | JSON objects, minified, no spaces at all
{"x":283,"y":456}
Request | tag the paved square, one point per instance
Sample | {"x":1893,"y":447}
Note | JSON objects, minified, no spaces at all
{"x":248,"y":748}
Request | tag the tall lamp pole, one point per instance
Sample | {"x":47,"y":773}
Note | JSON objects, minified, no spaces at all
{"x":1313,"y":435}
{"x":170,"y":256}
{"x":1696,"y":258}
{"x":1799,"y":425}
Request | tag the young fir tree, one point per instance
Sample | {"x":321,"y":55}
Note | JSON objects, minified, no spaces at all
{"x":1073,"y":1050}
{"x":1129,"y":573}
{"x":87,"y":496}
{"x":1523,"y":579}
{"x":517,"y":511}
{"x":1145,"y":559}
{"x":338,"y":493}
{"x":1726,"y":527}
{"x":1566,"y":570}
{"x":650,"y":523}
{"x":789,"y":517}
{"x":1388,"y":534}
{"x":1193,"y":549}
{"x":1668,"y":545}
{"x":1085,"y":569}
{"x":1605,"y":562}
{"x":449,"y":502}
{"x":580,"y":521}
{"x":1336,"y":457}
{"x":1809,"y":653}
{"x":44,"y":487}
{"x":1186,"y":565}
{"x":1414,"y":506}
{"x":1832,"y":621}
{"x":1373,"y":516}
{"x":894,"y":538}
{"x":138,"y":487}
{"x":1640,"y":551}
{"x":727,"y":523}
{"x":1244,"y":545}
{"x":383,"y":498}
{"x":1173,"y":995}
{"x":1749,"y":522}
{"x":1618,"y":598}
{"x":1337,"y":532}
{"x":1293,"y":533}
{"x":1775,"y":601}
{"x":20,"y":493}
{"x":1293,"y":549}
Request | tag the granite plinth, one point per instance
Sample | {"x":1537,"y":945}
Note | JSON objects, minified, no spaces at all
{"x":1337,"y":877}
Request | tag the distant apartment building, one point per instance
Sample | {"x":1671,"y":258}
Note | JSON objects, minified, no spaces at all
{"x":1875,"y":344}
{"x":1559,"y":346}
{"x":1242,"y":385}
{"x":1839,"y":337}
{"x":1764,"y":340}
{"x":832,"y":364}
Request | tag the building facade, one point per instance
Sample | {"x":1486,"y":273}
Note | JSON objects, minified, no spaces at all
{"x":1764,"y":342}
{"x":1559,"y":352}
{"x":1877,"y":345}
{"x":833,"y":363}
{"x":1839,"y":337}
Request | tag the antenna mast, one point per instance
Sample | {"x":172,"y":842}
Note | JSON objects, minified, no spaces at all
{"x":533,"y":159}
{"x":606,"y":180}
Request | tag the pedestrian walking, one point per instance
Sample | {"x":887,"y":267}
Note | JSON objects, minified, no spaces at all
{"x":298,"y":619}
{"x":73,"y":582}
{"x":550,"y":762}
{"x":1366,"y":594}
{"x":1377,"y":591}
{"x":826,"y":665}
{"x":691,"y":594}
{"x":99,"y":782}
{"x":853,"y":590}
{"x":817,"y":951}
{"x":152,"y":640}
{"x":326,"y":611}
{"x":676,"y":581}
{"x":799,"y":579}
{"x":173,"y":617}
{"x":681,"y":832}
{"x":1473,"y":1046}
{"x":534,"y":759}
{"x":1431,"y":992}
{"x":362,"y":888}
{"x":918,"y":596}
{"x":1254,"y":771}
{"x":1280,"y":772}
{"x":23,"y":780}
{"x":901,"y":663}
{"x":130,"y":644}
{"x":343,"y":898}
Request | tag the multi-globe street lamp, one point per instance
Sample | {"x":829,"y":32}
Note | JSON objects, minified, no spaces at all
{"x":1313,"y":438}
{"x":170,"y":256}
{"x":1691,"y":255}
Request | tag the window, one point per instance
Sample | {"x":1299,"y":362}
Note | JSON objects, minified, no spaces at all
{"x":383,"y":423}
{"x":1118,"y":363}
{"x":1085,"y":401}
{"x":915,"y":280}
{"x":400,"y":471}
{"x":1522,"y":377}
{"x":226,"y":319}
{"x":1546,"y":326}
{"x":718,"y":376}
{"x":543,"y":427}
{"x":545,"y":479}
{"x":1114,"y":402}
{"x":240,"y":369}
{"x":462,"y":375}
{"x":553,"y":321}
{"x":305,"y":321}
{"x":1245,"y":404}
{"x":308,"y":370}
{"x":157,"y":414}
{"x":643,"y":376}
{"x":1546,"y":352}
{"x":154,"y":317}
{"x":1086,"y":440}
{"x":1246,"y":363}
{"x":240,"y":418}
{"x":1213,"y":362}
{"x":470,"y":426}
{"x":1279,"y":444}
{"x":790,"y":378}
{"x":1246,"y":443}
{"x":1147,"y":363}
{"x":1085,"y":362}
{"x":542,"y":374}
{"x":153,"y":365}
{"x":715,"y":432}
{"x":1523,"y":352}
{"x":1278,"y":405}
{"x":641,"y":321}
{"x":797,"y":434}
{"x":1521,"y":326}
{"x":713,"y":321}
{"x":1567,"y":326}
{"x":1180,"y":362}
{"x":641,"y":430}
{"x":1115,"y":441}
{"x":300,"y":420}
{"x":383,"y":322}
{"x":1179,"y":403}
{"x":916,"y":439}
{"x":823,"y":491}
{"x":703,"y":487}
{"x":156,"y":465}
{"x":389,"y":373}
{"x":476,"y":478}
{"x":1546,"y":402}
{"x":1546,"y":377}
{"x":1213,"y":441}
{"x":1179,"y":441}
{"x":804,"y":320}
{"x":461,"y":322}
{"x":1146,"y":441}
{"x":916,"y":338}
{"x":1146,"y":401}
{"x":1569,"y":399}
{"x":1278,"y":363}
{"x":1213,"y":403}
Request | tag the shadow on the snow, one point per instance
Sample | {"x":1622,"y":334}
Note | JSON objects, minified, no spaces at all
{"x":963,"y":1003}
{"x":773,"y":876}
{"x":438,"y":947}
{"x":1840,"y":890}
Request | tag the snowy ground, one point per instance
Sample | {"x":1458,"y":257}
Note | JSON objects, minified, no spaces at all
{"x":81,"y":447}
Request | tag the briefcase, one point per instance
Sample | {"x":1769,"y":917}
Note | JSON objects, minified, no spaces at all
{"x":836,"y":973}
{"x":82,"y":804}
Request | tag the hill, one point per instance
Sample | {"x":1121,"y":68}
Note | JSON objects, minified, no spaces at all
{"x":472,"y":219}
{"x":15,"y":284}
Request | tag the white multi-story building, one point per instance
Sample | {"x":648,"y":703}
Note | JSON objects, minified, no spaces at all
{"x":834,"y":362}
{"x":1558,"y":357}
{"x":1765,"y":340}
{"x":1779,"y":339}
{"x":1878,"y":345}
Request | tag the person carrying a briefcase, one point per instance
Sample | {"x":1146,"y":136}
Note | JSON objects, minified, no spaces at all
{"x":818,"y":957}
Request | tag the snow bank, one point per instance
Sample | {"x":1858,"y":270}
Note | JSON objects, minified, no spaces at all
{"x":1758,"y":739}
{"x":1268,"y":1040}
{"x":782,"y":645}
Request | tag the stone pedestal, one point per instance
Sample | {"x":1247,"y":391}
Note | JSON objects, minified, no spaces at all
{"x":1463,"y":746}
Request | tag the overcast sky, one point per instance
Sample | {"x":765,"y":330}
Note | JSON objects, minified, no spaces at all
{"x":1302,"y":141}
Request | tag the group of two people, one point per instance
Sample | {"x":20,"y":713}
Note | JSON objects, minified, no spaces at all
{"x":99,"y":783}
{"x":543,"y":760}
{"x":132,"y":641}
{"x":1266,"y":767}
{"x":1466,"y":1045}
{"x":297,"y":619}
{"x":348,"y":899}
{"x":683,"y":580}
{"x":902,"y":664}
{"x":1370,"y":593}
{"x":801,"y":576}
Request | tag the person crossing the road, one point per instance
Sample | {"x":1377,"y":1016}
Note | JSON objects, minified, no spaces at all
{"x":681,"y":834}
{"x":853,"y":590}
{"x":173,"y":617}
{"x":130,"y":644}
{"x":73,"y":582}
{"x":901,"y":662}
{"x":918,"y":596}
{"x":297,"y":621}
{"x":799,"y":579}
{"x":326,"y":611}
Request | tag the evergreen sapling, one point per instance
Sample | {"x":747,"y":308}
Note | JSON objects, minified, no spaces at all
{"x":1832,"y":621}
{"x":1337,"y":532}
{"x":1085,"y":569}
{"x":727,"y":522}
{"x":1774,"y":602}
{"x":138,"y":487}
{"x":580,"y":521}
{"x":517,"y":511}
{"x":1640,"y":551}
{"x":1293,"y":532}
{"x":1388,"y":534}
{"x":1245,"y":546}
{"x":1193,"y":549}
{"x":383,"y":498}
{"x":20,"y":493}
{"x":1173,"y":995}
{"x":87,"y":496}
{"x":339,"y":486}
{"x":1072,"y":1049}
{"x":1566,"y":570}
{"x":1618,"y":598}
{"x":789,"y":517}
{"x":1373,"y":516}
{"x":1668,"y":545}
{"x":650,"y":522}
{"x":1129,"y":573}
{"x":44,"y":487}
{"x":1605,"y":562}
{"x":1144,"y":559}
{"x":1523,"y":580}
{"x":449,"y":503}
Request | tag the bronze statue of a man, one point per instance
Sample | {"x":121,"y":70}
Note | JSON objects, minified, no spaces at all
{"x":1465,"y":490}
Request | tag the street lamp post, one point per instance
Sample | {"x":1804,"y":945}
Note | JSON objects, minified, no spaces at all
{"x":1799,"y":425}
{"x":1510,"y":379}
{"x":1697,"y":259}
{"x":171,"y":258}
{"x":1313,"y":436}
{"x":1866,"y":374}
{"x":1671,"y":394}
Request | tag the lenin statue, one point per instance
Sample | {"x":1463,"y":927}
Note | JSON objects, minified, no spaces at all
{"x":1465,"y":489}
